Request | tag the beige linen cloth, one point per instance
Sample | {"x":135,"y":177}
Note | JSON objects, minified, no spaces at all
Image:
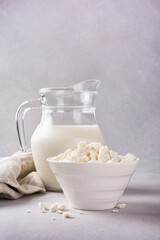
{"x":18,"y":176}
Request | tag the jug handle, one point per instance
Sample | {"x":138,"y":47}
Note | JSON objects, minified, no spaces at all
{"x":20,"y":114}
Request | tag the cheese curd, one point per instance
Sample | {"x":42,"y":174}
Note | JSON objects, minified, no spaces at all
{"x":93,"y":152}
{"x":43,"y":206}
{"x":57,"y":206}
{"x":54,"y":207}
{"x":66,"y":215}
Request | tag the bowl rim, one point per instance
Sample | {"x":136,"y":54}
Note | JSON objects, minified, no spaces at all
{"x":51,"y":160}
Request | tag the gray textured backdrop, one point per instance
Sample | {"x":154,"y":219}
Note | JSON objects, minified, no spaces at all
{"x":57,"y":43}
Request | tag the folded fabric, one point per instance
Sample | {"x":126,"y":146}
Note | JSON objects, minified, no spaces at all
{"x":18,"y":176}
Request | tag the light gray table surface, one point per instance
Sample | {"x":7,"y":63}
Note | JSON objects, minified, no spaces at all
{"x":139,"y":220}
{"x":46,"y":43}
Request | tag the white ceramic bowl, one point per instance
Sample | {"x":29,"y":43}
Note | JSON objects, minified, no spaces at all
{"x":93,"y":186}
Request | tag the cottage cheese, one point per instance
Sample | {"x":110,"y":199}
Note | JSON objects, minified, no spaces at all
{"x":115,"y":210}
{"x":121,"y":205}
{"x":54,"y":207}
{"x":93,"y":152}
{"x":28,"y":211}
{"x":57,"y":207}
{"x":43,"y":206}
{"x":60,"y":212}
{"x":66,"y":215}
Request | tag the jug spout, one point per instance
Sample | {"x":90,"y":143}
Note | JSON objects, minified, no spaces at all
{"x":88,"y":85}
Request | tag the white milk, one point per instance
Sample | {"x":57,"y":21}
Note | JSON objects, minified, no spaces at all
{"x":48,"y":141}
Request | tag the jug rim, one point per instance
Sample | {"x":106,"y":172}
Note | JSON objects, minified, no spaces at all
{"x":62,"y":90}
{"x":90,"y":85}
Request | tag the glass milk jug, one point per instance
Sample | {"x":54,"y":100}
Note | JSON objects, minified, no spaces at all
{"x":68,"y":117}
